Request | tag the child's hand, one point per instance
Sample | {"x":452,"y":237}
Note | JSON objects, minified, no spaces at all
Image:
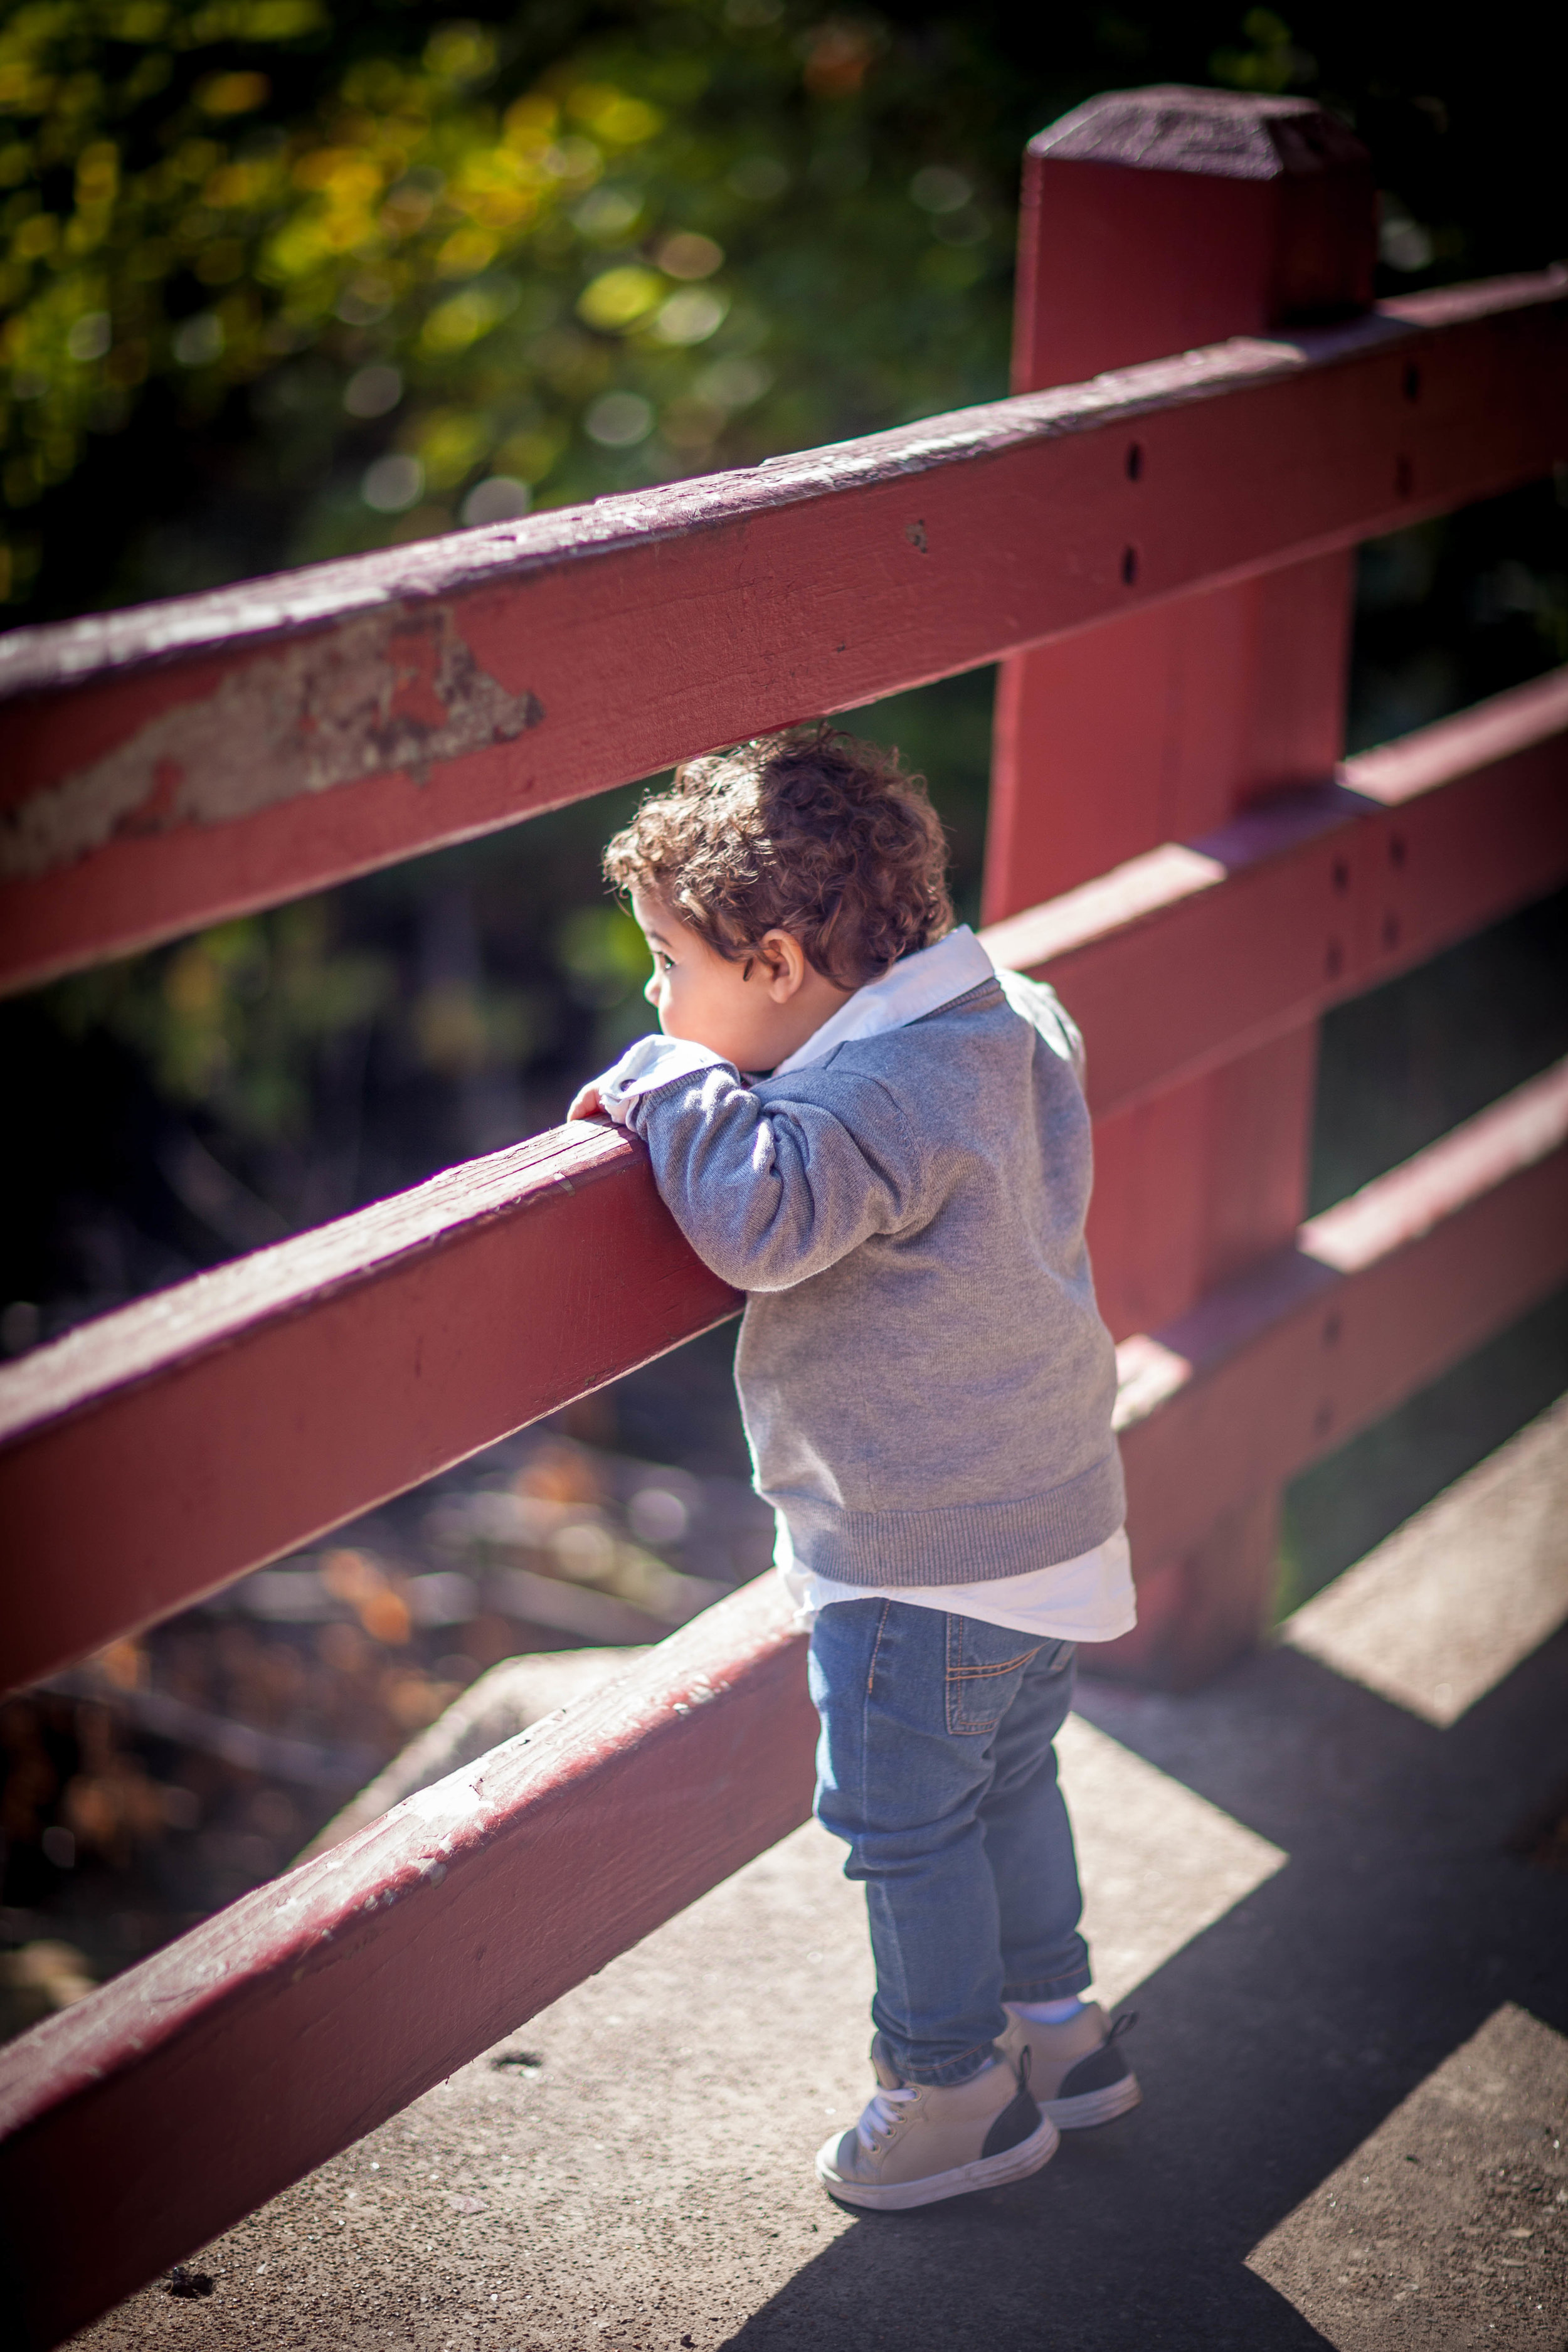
{"x":585,"y":1103}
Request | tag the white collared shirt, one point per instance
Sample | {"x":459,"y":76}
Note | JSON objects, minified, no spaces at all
{"x":1085,"y":1600}
{"x":917,"y":984}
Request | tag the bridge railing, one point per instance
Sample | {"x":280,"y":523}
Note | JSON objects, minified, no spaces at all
{"x":1161,"y":556}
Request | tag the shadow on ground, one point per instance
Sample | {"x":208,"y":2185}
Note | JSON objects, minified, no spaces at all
{"x":1272,"y":2048}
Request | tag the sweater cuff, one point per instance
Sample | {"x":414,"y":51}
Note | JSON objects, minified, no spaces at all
{"x":644,"y":1068}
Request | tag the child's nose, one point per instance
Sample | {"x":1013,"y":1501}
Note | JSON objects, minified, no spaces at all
{"x":651,"y":991}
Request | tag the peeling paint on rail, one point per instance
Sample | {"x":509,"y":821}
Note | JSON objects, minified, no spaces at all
{"x":394,"y":690}
{"x":194,"y":760}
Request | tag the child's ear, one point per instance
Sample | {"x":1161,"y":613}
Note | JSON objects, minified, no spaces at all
{"x":784,"y":960}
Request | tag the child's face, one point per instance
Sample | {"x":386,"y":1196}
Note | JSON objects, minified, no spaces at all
{"x":754,"y":1012}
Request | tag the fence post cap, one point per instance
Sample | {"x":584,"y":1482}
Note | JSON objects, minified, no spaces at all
{"x":1218,"y":133}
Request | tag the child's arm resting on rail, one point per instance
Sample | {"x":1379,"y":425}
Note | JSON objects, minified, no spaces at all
{"x":767,"y":1194}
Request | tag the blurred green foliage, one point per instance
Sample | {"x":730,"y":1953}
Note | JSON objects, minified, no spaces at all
{"x":280,"y":281}
{"x":449,"y":283}
{"x":233,"y":1020}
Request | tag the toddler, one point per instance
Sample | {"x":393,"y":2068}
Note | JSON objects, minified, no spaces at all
{"x":883,"y":1141}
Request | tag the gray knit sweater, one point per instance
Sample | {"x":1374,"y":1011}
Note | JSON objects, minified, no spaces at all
{"x":926,"y":1382}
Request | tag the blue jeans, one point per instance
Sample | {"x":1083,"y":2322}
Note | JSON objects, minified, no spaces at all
{"x":936,"y":1765}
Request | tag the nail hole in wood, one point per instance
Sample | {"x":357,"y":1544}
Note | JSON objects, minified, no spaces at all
{"x":1129,"y":565}
{"x":1342,"y":876}
{"x":1135,"y":462}
{"x":1397,"y":849}
{"x":1412,"y":382}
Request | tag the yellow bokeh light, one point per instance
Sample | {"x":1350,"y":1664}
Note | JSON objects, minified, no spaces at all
{"x":619,"y":298}
{"x":234,"y":93}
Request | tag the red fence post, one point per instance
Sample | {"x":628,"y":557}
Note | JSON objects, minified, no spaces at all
{"x":1153,"y":221}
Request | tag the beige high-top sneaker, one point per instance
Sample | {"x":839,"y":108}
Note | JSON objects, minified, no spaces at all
{"x":918,"y":2142}
{"x":1076,"y":2070}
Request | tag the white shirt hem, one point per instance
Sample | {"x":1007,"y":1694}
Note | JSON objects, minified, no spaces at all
{"x":1089,"y":1599}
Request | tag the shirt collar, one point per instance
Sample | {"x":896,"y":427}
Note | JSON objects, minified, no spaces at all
{"x":917,"y":984}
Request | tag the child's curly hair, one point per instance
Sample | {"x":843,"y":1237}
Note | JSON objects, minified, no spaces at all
{"x":811,"y":831}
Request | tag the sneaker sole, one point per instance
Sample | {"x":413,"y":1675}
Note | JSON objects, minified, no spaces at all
{"x":985,"y":2172}
{"x":1093,"y":2106}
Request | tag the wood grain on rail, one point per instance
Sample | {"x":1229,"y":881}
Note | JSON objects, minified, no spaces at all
{"x":164,"y":2108}
{"x":157,"y":1453}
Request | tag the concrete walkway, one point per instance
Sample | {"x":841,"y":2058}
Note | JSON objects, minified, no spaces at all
{"x":1314,"y":1880}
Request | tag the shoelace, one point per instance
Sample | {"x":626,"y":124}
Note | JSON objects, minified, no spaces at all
{"x":881,"y":2114}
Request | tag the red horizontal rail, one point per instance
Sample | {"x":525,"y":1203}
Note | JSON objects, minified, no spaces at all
{"x":165,"y":2106}
{"x":297,"y":2020}
{"x":1380,"y":1295}
{"x":151,"y":1456}
{"x":170,"y":766}
{"x":1198,"y":951}
{"x":221,"y":1423}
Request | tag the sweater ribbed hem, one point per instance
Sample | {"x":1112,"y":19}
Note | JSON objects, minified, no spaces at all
{"x":964,"y":1543}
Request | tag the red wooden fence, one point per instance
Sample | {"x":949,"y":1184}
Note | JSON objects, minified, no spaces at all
{"x":1162,"y":555}
{"x":170,"y":766}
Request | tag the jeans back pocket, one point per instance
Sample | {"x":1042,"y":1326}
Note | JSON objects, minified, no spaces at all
{"x":984,"y":1667}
